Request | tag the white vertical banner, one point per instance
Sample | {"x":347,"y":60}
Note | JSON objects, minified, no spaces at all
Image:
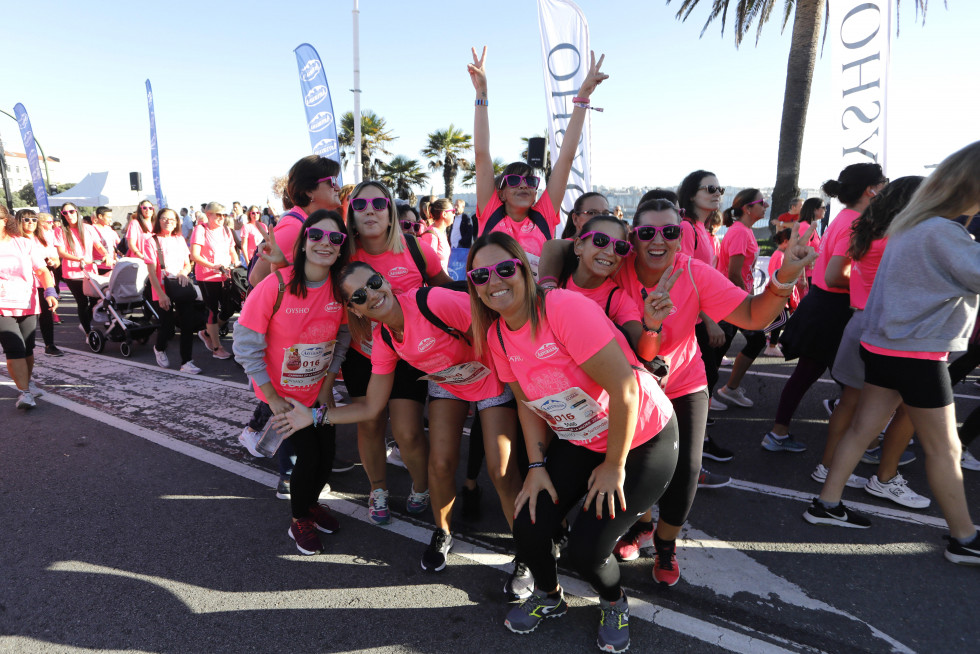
{"x":860,"y":31}
{"x":565,"y":51}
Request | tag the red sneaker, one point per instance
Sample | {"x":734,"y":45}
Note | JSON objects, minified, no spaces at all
{"x":665,"y":569}
{"x":638,"y":537}
{"x":322,"y":519}
{"x":303,"y":531}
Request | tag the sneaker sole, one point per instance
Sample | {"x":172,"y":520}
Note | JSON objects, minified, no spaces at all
{"x":381,"y":522}
{"x":515,"y":597}
{"x":439,"y":568}
{"x":282,"y":496}
{"x":831,"y":522}
{"x":610,"y":648}
{"x":888,"y":496}
{"x":634,"y":557}
{"x":710,"y":486}
{"x":715,"y":457}
{"x":543,"y":618}
{"x":962,"y":559}
{"x":298,"y":546}
{"x":781,"y":448}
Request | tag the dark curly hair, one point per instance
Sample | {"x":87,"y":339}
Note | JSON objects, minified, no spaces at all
{"x":874,"y":221}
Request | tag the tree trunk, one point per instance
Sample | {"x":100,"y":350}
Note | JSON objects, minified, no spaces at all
{"x":799,"y":75}
{"x":449,"y":175}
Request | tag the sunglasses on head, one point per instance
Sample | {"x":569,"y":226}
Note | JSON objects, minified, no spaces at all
{"x":762,"y":200}
{"x":408,"y":225}
{"x":601,"y":241}
{"x":505,"y":270}
{"x":68,"y":212}
{"x":360,"y":204}
{"x":374,"y":283}
{"x":712,"y":189}
{"x":517,"y":180}
{"x":331,"y":179}
{"x":649,"y":232}
{"x":315,"y":235}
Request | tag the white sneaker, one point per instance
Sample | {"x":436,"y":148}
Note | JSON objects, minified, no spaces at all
{"x":162,"y":360}
{"x":33,"y":389}
{"x":734,"y":396}
{"x":728,"y":361}
{"x":897,"y":490}
{"x":190,"y":368}
{"x":969,"y":462}
{"x":773,"y":351}
{"x":395,"y":456}
{"x":853,"y":481}
{"x":715,"y":405}
{"x":338,"y":398}
{"x":25,"y":400}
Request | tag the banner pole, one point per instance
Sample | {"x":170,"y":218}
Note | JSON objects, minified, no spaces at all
{"x":357,"y":98}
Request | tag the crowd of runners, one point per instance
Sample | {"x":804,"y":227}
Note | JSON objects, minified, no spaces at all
{"x":590,"y":359}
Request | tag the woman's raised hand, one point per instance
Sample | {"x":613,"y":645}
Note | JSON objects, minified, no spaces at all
{"x":798,"y":254}
{"x":269,"y":250}
{"x":478,"y":71}
{"x":593,"y":78}
{"x":657,"y":305}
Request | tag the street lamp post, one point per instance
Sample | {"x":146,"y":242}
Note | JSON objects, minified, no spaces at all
{"x":44,"y":157}
{"x":6,"y":182}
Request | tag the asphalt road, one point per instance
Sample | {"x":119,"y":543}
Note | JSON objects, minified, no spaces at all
{"x":131,"y":520}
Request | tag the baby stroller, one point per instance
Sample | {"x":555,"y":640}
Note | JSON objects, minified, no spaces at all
{"x":122,"y":313}
{"x":235,"y":288}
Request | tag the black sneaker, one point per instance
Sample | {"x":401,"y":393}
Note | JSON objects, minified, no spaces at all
{"x":838,"y":516}
{"x":559,"y":541}
{"x":963,"y":554}
{"x":341,"y":465}
{"x":713,"y":450}
{"x":282,"y":489}
{"x":53,"y":351}
{"x":434,"y":557}
{"x":470,"y":500}
{"x":520,"y":584}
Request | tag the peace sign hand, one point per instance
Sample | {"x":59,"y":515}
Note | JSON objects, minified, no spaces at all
{"x":658,"y":305}
{"x":798,"y":255}
{"x":478,"y":71}
{"x":593,"y":78}
{"x":269,"y":250}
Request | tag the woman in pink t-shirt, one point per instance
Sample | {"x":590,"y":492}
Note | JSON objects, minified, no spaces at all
{"x":291,"y":338}
{"x":507,"y":203}
{"x":44,"y":240}
{"x":139,"y":228}
{"x":251,"y":233}
{"x":213,"y":254}
{"x":812,"y":213}
{"x":699,"y":197}
{"x":77,"y":251}
{"x":22,"y":265}
{"x":442,"y":213}
{"x":572,"y":372}
{"x":102,"y":222}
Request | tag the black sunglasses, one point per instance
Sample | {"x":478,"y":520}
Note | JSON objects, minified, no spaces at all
{"x":360,"y":295}
{"x":505,"y":270}
{"x":600,"y":240}
{"x":315,"y":234}
{"x":649,"y":232}
{"x":712,"y":189}
{"x":409,"y":225}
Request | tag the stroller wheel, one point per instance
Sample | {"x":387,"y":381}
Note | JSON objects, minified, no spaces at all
{"x":125,"y":349}
{"x":96,"y":341}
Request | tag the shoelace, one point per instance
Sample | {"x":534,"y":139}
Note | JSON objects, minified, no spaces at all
{"x":665,"y":560}
{"x":304,"y":526}
{"x":379,"y":501}
{"x":608,"y":615}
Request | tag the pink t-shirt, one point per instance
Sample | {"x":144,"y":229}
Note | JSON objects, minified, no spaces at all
{"x":300,"y":337}
{"x":288,"y":229}
{"x":216,"y":247}
{"x":49,"y":251}
{"x":440,"y":245}
{"x":400,"y":269}
{"x":433,"y":351}
{"x":835,"y":242}
{"x":109,"y":239}
{"x":250,"y":237}
{"x":547,"y":368}
{"x":73,"y":269}
{"x":696,"y":242}
{"x":525,"y":232}
{"x":175,"y":257}
{"x":815,"y":240}
{"x":19,"y":258}
{"x":699,"y":288}
{"x":622,"y":308}
{"x":739,"y":240}
{"x":863,"y":273}
{"x":775,"y":261}
{"x":135,"y":233}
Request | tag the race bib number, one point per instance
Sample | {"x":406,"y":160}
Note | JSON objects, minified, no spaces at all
{"x":573,"y":415}
{"x":459,"y":375}
{"x":16,"y":294}
{"x":306,"y":364}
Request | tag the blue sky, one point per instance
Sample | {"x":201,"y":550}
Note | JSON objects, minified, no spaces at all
{"x":230,"y":114}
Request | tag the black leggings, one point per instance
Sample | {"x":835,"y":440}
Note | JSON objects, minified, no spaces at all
{"x":214,"y":298}
{"x":692,"y":415}
{"x":958,"y":370}
{"x":45,"y":319}
{"x":755,"y":341}
{"x":315,"y":448}
{"x":805,"y":375}
{"x":649,"y":468}
{"x":708,"y":355}
{"x":179,"y":315}
{"x":84,"y":302}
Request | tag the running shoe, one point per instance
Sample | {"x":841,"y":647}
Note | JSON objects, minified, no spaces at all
{"x":34,"y":389}
{"x":55,"y":318}
{"x":434,"y":556}
{"x":520,"y":583}
{"x":873,"y":456}
{"x":338,"y":398}
{"x":303,"y":532}
{"x":53,"y":351}
{"x":25,"y":401}
{"x":830,"y":405}
{"x":342,"y":465}
{"x":394,"y":455}
{"x":665,"y":568}
{"x":772,"y":351}
{"x":614,"y":625}
{"x":378,"y":507}
{"x":249,"y":439}
{"x":968,"y":461}
{"x":715,"y":405}
{"x":728,"y":361}
{"x":734,"y":396}
{"x":897,"y":490}
{"x":786,"y":443}
{"x":203,"y":335}
{"x":526,"y":616}
{"x":469,"y":499}
{"x":323,"y":519}
{"x":709,"y":479}
{"x":190,"y":368}
{"x":559,"y":540}
{"x":636,"y":538}
{"x":221,"y":354}
{"x":853,"y":481}
{"x":282,"y":488}
{"x":716,"y":452}
{"x":839,"y":516}
{"x":417,"y":502}
{"x":968,"y":554}
{"x":710,"y":422}
{"x":162,"y":359}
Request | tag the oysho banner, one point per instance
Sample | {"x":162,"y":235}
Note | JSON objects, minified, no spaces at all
{"x":154,"y":153}
{"x":861,"y":35}
{"x":30,"y":148}
{"x":565,"y":51}
{"x":316,"y":100}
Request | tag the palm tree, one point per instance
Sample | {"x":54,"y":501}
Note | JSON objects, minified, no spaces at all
{"x":470,"y":175}
{"x":374,"y":139}
{"x":445,"y":149}
{"x":401,"y":174}
{"x":547,"y":153}
{"x":807,"y":18}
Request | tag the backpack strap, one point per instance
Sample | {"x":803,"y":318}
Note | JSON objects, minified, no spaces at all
{"x":500,"y":213}
{"x":417,"y":256}
{"x":279,"y":294}
{"x":386,"y":337}
{"x":422,"y":299}
{"x":500,"y":337}
{"x":160,"y":265}
{"x":609,"y":299}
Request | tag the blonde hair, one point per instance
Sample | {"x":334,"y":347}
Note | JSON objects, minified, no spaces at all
{"x":394,"y":242}
{"x":951,"y":190}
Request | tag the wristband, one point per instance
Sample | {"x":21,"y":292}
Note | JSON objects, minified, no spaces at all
{"x":537,"y":464}
{"x":580,"y":100}
{"x":774,"y":280}
{"x":50,"y":292}
{"x":651,"y":331}
{"x":586,"y":106}
{"x":549,"y":278}
{"x":480,"y":103}
{"x":769,"y":288}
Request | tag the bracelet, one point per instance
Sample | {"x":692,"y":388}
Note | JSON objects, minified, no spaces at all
{"x":549,"y":278}
{"x":537,"y":464}
{"x":774,"y":280}
{"x":481,"y":103}
{"x":769,"y":289}
{"x":586,"y":106}
{"x":651,"y":331}
{"x":50,"y":292}
{"x":581,"y":100}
